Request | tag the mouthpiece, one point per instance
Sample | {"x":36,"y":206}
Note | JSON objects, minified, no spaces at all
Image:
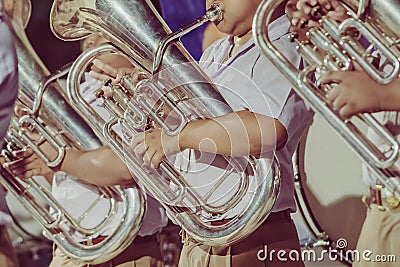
{"x":214,"y":13}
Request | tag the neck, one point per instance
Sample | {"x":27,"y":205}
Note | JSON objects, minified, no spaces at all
{"x":242,"y":39}
{"x":239,"y":41}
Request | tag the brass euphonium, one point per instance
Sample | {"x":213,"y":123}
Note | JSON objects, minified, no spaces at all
{"x":52,"y":117}
{"x":177,"y":86}
{"x":372,"y":27}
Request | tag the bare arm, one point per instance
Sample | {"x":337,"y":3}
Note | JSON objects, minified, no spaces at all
{"x":237,"y":134}
{"x":390,"y":98}
{"x":240,"y":133}
{"x":100,"y":166}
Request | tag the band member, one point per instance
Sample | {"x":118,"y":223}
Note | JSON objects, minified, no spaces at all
{"x":72,"y":194}
{"x":145,"y":249}
{"x":267,"y":115}
{"x":356,"y":92}
{"x":252,"y":128}
{"x":8,"y":95}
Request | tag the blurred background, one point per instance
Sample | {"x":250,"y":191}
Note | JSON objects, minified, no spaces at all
{"x":53,"y":52}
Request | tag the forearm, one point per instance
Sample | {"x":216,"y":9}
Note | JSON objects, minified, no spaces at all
{"x":100,"y":166}
{"x":390,"y":96}
{"x":49,"y":176}
{"x":236,"y":134}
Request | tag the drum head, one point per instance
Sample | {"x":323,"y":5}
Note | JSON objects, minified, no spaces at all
{"x":329,"y":188}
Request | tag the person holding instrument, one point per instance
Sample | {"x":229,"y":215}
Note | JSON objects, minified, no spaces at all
{"x":8,"y":95}
{"x":73,"y":195}
{"x":252,"y":129}
{"x":355,"y":92}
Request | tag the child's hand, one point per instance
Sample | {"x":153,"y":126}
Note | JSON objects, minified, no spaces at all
{"x":105,"y":72}
{"x":154,"y":146}
{"x":354,"y":93}
{"x":333,"y":9}
{"x":297,"y":19}
{"x":27,"y":165}
{"x":306,"y":13}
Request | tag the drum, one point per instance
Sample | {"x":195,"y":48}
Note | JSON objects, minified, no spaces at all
{"x":329,"y":188}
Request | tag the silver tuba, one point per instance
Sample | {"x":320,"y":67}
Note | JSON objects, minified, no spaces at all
{"x":336,"y":47}
{"x":175,"y":83}
{"x":50,"y":115}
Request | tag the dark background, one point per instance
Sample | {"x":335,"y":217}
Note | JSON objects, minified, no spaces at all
{"x":55,"y":53}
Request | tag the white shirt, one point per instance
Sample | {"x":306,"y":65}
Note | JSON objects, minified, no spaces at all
{"x":248,"y":81}
{"x":76,"y":197}
{"x":8,"y":94}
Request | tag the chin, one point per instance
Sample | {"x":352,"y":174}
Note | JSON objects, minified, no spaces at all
{"x":222,"y":28}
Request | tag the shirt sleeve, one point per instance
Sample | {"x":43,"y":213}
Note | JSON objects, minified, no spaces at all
{"x":274,"y":96}
{"x":8,"y":78}
{"x":271,"y":89}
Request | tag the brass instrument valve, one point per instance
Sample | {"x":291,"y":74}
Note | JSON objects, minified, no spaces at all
{"x":99,"y":93}
{"x":108,"y":102}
